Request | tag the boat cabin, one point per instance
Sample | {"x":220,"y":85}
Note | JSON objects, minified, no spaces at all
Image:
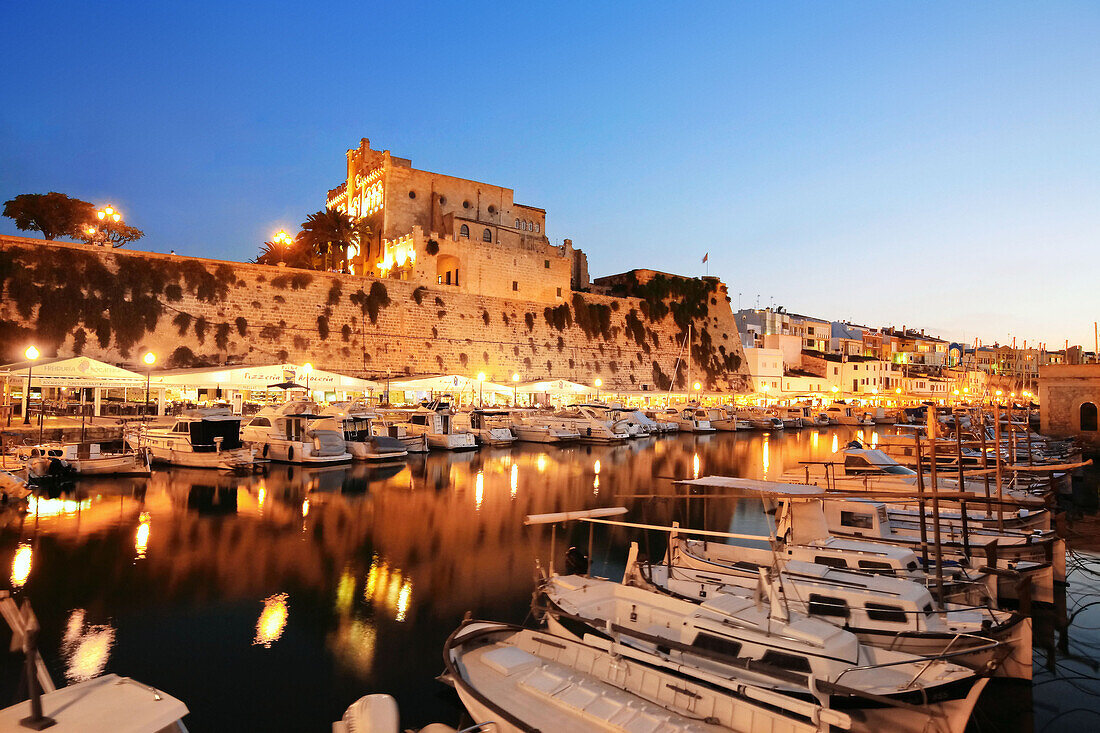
{"x":210,"y":435}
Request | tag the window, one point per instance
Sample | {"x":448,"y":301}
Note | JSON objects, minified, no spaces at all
{"x":537,"y":229}
{"x":833,"y":562}
{"x":874,"y":565}
{"x":486,"y":236}
{"x":517,"y":223}
{"x":465,"y":204}
{"x":827,"y":606}
{"x":729,"y":647}
{"x":792,"y":662}
{"x":856,"y":519}
{"x":442,"y":200}
{"x":884,"y":612}
{"x":464,"y":231}
{"x":559,"y":292}
{"x":412,"y":194}
{"x":492,"y":209}
{"x":260,"y":422}
{"x":546,"y":264}
{"x":1088,"y":417}
{"x":515,"y":286}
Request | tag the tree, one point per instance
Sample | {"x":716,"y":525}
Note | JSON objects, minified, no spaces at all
{"x":330,"y":233}
{"x":115,"y":233}
{"x":54,"y":214}
{"x":295,"y":254}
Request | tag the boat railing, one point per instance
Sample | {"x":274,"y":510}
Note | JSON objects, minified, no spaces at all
{"x":984,"y":644}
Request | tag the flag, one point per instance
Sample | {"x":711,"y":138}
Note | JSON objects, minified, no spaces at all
{"x":706,"y":256}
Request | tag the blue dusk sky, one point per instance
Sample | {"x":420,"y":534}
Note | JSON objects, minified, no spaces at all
{"x":929,"y":164}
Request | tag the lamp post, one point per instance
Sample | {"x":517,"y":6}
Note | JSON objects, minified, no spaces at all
{"x":107,"y":216}
{"x":282,"y":238}
{"x":515,"y":389}
{"x":308,"y":369}
{"x":32,"y":354}
{"x":481,"y":389}
{"x":599,"y":383}
{"x":149,"y":359}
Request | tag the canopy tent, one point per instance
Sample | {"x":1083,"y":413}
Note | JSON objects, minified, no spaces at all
{"x":556,"y":387}
{"x":259,"y":378}
{"x":77,"y":371}
{"x":453,"y":383}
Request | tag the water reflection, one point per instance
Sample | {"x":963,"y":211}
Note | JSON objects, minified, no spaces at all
{"x":85,"y":647}
{"x":21,"y":565}
{"x":272,"y":621}
{"x":392,"y":558}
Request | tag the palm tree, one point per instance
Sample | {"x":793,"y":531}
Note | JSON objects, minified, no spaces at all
{"x":330,"y":233}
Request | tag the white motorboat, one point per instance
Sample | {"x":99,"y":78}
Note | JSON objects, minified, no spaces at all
{"x":840,"y":414}
{"x":887,"y":612}
{"x":538,"y":428}
{"x":760,"y":420}
{"x":286,"y":433}
{"x":591,"y":427}
{"x":377,"y":713}
{"x":490,"y":427}
{"x":516,"y":680}
{"x":722,"y":419}
{"x":384,"y":426}
{"x":766,"y":644}
{"x":357,"y":425}
{"x":197,"y":439}
{"x":436,"y":425}
{"x":58,"y":460}
{"x":690,"y":419}
{"x":659,"y":418}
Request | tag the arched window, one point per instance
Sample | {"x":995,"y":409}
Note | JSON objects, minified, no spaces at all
{"x":537,"y":225}
{"x":464,"y":231}
{"x":486,"y":236}
{"x":1088,"y":417}
{"x":517,"y":223}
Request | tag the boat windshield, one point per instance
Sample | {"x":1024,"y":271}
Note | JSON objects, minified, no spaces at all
{"x":204,"y":433}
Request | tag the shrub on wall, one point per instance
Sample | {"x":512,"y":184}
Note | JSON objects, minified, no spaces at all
{"x":334,"y":292}
{"x":182,"y":321}
{"x":322,"y":327}
{"x":345,"y":332}
{"x":418,"y":294}
{"x":180,"y":358}
{"x":371,"y":303}
{"x":530,"y":319}
{"x":200,"y":329}
{"x":242,"y":325}
{"x":432,"y":248}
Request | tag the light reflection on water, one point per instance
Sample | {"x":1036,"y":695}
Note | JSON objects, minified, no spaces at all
{"x":381,"y":562}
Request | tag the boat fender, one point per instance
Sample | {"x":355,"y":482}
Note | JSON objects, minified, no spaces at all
{"x":576,"y":562}
{"x":589,"y":432}
{"x":290,"y":453}
{"x":265,"y":450}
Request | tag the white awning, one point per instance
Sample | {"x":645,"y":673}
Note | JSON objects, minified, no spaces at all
{"x":77,"y":371}
{"x":556,"y":387}
{"x":453,"y":383}
{"x":260,"y":378}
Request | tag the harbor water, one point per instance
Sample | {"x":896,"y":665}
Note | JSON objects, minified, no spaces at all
{"x":273,"y":601}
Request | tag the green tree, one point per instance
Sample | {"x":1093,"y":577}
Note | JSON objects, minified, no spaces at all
{"x":114,"y":233}
{"x":54,"y":214}
{"x":295,"y":254}
{"x":329,"y":234}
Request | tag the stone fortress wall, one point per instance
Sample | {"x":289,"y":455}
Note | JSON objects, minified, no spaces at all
{"x":114,"y":305}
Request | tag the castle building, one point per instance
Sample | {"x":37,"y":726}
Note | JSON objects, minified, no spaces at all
{"x":451,"y":232}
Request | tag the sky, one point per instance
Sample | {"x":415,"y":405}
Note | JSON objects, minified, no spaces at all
{"x":933,"y":165}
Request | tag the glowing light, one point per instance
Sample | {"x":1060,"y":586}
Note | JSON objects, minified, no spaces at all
{"x":813,"y":439}
{"x":41,"y":507}
{"x":999,"y":393}
{"x":596,"y":467}
{"x":766,"y":456}
{"x":31,"y":353}
{"x":859,"y":435}
{"x":479,"y":490}
{"x":141,"y":538}
{"x":149,"y":358}
{"x":307,"y":367}
{"x":403,"y":600}
{"x":956,"y":393}
{"x":836,"y":443}
{"x":116,"y":217}
{"x":596,"y":486}
{"x":695,"y":465}
{"x":101,"y":214}
{"x":874,"y":439}
{"x":698,"y":387}
{"x":515,"y":479}
{"x":73,"y":627}
{"x":109,"y":210}
{"x":598,"y":382}
{"x":966,"y":389}
{"x":897,"y":391}
{"x":305,"y":508}
{"x":540,"y":462}
{"x":481,"y":376}
{"x":90,"y":230}
{"x":272,"y":621}
{"x":835,"y":389}
{"x":87,"y":654}
{"x":261,"y":495}
{"x":21,"y":565}
{"x":515,"y":376}
{"x":345,"y":592}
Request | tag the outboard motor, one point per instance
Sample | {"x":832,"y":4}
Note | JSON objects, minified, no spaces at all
{"x":854,"y":444}
{"x":576,"y":562}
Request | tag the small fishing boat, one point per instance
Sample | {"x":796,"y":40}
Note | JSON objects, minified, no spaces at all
{"x":62,"y":460}
{"x":490,"y":427}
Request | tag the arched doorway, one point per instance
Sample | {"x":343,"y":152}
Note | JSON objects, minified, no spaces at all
{"x":1088,"y":417}
{"x":446,"y":270}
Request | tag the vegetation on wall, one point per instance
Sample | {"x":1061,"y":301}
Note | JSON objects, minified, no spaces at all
{"x":322,"y":327}
{"x":334,"y":292}
{"x":593,"y":318}
{"x":418,"y":294}
{"x":242,"y":325}
{"x":558,"y":317}
{"x":432,"y":247}
{"x":371,"y":303}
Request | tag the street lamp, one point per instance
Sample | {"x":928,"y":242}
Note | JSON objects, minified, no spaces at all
{"x":32,"y":354}
{"x":598,"y":383}
{"x":515,"y":389}
{"x":282,"y":238}
{"x":307,"y":368}
{"x":481,"y":389}
{"x":149,"y":359}
{"x":108,"y":216}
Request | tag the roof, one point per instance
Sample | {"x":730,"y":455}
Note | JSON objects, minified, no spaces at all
{"x":258,"y":377}
{"x":73,"y":370}
{"x":754,"y":487}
